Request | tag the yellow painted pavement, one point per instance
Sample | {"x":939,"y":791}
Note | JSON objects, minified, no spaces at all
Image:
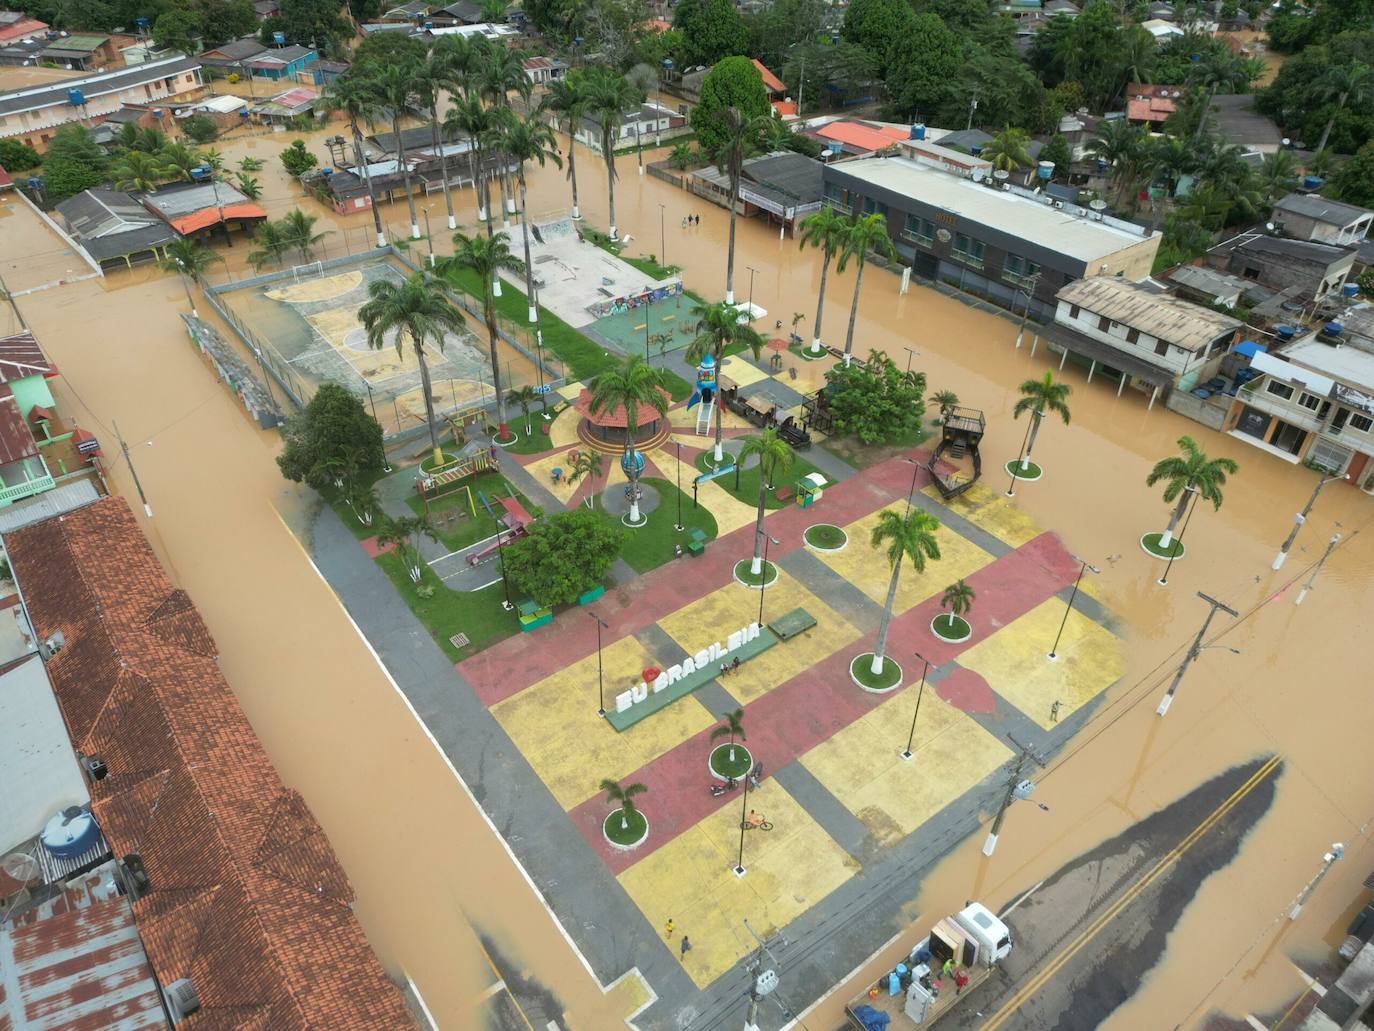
{"x":542,"y":471}
{"x":990,"y":509}
{"x":570,"y":390}
{"x":1013,"y":661}
{"x":742,"y":372}
{"x":868,"y":570}
{"x":730,"y":514}
{"x":563,"y":432}
{"x":862,"y":768}
{"x":690,"y":880}
{"x":555,"y":725}
{"x":734,"y":606}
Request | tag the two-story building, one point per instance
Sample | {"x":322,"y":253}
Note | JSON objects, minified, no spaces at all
{"x":956,"y":222}
{"x":27,"y":421}
{"x":1301,"y":269}
{"x":639,"y":123}
{"x":1310,"y":216}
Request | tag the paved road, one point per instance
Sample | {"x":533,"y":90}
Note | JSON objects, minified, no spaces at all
{"x":1091,"y":932}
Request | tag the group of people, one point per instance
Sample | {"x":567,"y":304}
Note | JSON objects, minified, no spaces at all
{"x":726,"y":668}
{"x":691,"y":220}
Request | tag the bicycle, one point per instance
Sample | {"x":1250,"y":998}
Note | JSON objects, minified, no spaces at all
{"x":762,"y":825}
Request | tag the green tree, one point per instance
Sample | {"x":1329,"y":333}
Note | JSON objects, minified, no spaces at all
{"x":828,"y":231}
{"x":74,"y":162}
{"x":813,"y":69}
{"x":958,"y":598}
{"x":611,"y":95}
{"x":417,"y":309}
{"x":1278,"y":175}
{"x":351,"y":96}
{"x":733,"y":83}
{"x":405,"y":533}
{"x":563,"y":556}
{"x":270,"y":242}
{"x":435,"y":74}
{"x":190,"y":260}
{"x":1190,"y":472}
{"x":384,"y":48}
{"x":479,"y":123}
{"x":333,"y":426}
{"x":785,"y":24}
{"x":297,"y":160}
{"x":1354,"y":181}
{"x":248,"y":186}
{"x":177,"y":29}
{"x":733,"y":727}
{"x":313,"y":23}
{"x":528,"y":140}
{"x":879,"y":26}
{"x":623,"y":799}
{"x":1057,"y":150}
{"x":720,"y":326}
{"x":487,"y":257}
{"x":362,"y":500}
{"x":1008,"y":150}
{"x":775,"y":458}
{"x":139,"y":172}
{"x":1351,"y":83}
{"x":587,"y":465}
{"x":631,"y":385}
{"x":496,"y":74}
{"x":568,"y":99}
{"x":711,"y":29}
{"x":876,"y":401}
{"x":1039,"y":396}
{"x":867,"y":234}
{"x":524,"y":398}
{"x":909,"y":537}
{"x":299,"y":230}
{"x":225,"y":20}
{"x":200,"y":128}
{"x":681,"y":157}
{"x":946,"y":401}
{"x":926,"y":62}
{"x":1123,"y":147}
{"x":18,"y":157}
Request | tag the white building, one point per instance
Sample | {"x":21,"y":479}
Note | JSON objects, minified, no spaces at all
{"x":641,"y":124}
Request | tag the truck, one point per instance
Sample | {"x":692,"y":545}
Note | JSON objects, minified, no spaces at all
{"x":960,"y":953}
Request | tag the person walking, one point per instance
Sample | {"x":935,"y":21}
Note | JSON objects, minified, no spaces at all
{"x":685,"y":948}
{"x":1054,"y":711}
{"x":668,"y":928}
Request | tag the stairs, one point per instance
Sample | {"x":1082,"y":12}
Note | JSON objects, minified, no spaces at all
{"x":956,"y":450}
{"x":704,"y":414}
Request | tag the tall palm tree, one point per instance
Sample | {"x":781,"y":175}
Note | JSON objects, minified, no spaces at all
{"x":417,"y":309}
{"x":1278,"y":175}
{"x":1122,"y":146}
{"x":191,"y":261}
{"x":526,"y":140}
{"x":567,"y":98}
{"x":487,"y":257}
{"x":1170,"y":159}
{"x":1190,"y":472}
{"x":497,"y":74}
{"x":1345,"y":84}
{"x":866,"y":233}
{"x":393,"y":88}
{"x":299,"y":230}
{"x":1215,"y":72}
{"x":271,"y":244}
{"x":353,"y":96}
{"x":743,"y":139}
{"x":719,"y":326}
{"x":946,"y":401}
{"x":632,"y":384}
{"x":733,"y":727}
{"x":775,"y":458}
{"x":524,"y":398}
{"x":405,"y":532}
{"x":908,"y":537}
{"x":586,"y":465}
{"x":1039,"y":396}
{"x":827,"y":230}
{"x":178,"y":161}
{"x":139,"y":172}
{"x":623,"y":797}
{"x":476,"y":121}
{"x":435,"y":75}
{"x":610,"y":95}
{"x":1008,"y":150}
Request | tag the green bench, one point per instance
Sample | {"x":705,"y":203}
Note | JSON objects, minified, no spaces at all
{"x":697,"y":544}
{"x":789,"y":625}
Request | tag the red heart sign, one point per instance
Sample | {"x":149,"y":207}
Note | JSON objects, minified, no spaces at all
{"x":650,"y":674}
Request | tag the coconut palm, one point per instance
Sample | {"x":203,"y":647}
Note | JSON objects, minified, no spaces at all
{"x":631,"y":385}
{"x":775,"y":458}
{"x":526,"y":140}
{"x":826,"y":230}
{"x":682,"y":156}
{"x":567,"y":98}
{"x":299,"y":230}
{"x":587,"y":465}
{"x":946,"y":401}
{"x":1170,"y":159}
{"x":191,"y":261}
{"x":733,"y":727}
{"x":488,"y":257}
{"x":610,"y":95}
{"x":352,"y":95}
{"x":623,"y":797}
{"x":1039,"y":396}
{"x":497,"y":73}
{"x":1215,"y":72}
{"x":866,"y":233}
{"x":720,"y":326}
{"x":958,"y":598}
{"x":1123,"y":147}
{"x":271,"y":244}
{"x":178,"y":161}
{"x":1190,"y":472}
{"x":417,"y":309}
{"x":1278,"y":175}
{"x":1008,"y":150}
{"x":437,"y":73}
{"x":1345,"y":84}
{"x":393,"y":88}
{"x":469,"y":116}
{"x":524,"y":397}
{"x":907,"y":537}
{"x":743,"y":139}
{"x":140,"y":172}
{"x":406,"y":531}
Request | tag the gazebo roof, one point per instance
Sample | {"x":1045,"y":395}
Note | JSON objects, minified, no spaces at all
{"x":615,"y":418}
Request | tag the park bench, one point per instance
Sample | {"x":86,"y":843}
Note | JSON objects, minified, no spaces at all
{"x":790,"y":624}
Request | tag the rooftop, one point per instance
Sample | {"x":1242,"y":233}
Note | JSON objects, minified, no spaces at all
{"x":1349,"y":365}
{"x":20,"y":357}
{"x":1298,"y":250}
{"x":861,"y":137}
{"x":1238,"y":122}
{"x":16,"y":438}
{"x":1208,"y":280}
{"x":1162,"y":316}
{"x":188,"y":207}
{"x":1006,"y":211}
{"x":1319,"y":209}
{"x":771,"y":82}
{"x":34,"y":748}
{"x":81,"y":44}
{"x":236,"y":50}
{"x":38,"y":97}
{"x":248,"y":898}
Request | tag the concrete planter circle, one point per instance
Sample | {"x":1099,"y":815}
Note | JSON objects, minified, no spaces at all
{"x":745,"y":562}
{"x":867,"y":657}
{"x":1030,"y":475}
{"x":739,"y":748}
{"x":614,"y":814}
{"x":806,"y":536}
{"x":954,"y":636}
{"x":1150,"y":545}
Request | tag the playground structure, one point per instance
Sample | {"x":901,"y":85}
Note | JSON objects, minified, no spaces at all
{"x":514,"y":520}
{"x":449,"y":481}
{"x":959,"y":437}
{"x":763,"y":412}
{"x":604,"y":430}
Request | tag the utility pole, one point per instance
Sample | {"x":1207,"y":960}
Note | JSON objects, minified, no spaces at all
{"x":1330,"y":545}
{"x":1299,"y":519}
{"x":1337,"y":852}
{"x":13,"y":303}
{"x":763,"y":982}
{"x":1195,"y":650}
{"x":147,"y":508}
{"x":1017,"y":788}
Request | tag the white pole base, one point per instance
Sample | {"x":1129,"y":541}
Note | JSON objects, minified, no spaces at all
{"x":876,"y":666}
{"x":738,"y":871}
{"x":577,"y":215}
{"x":1164,"y":704}
{"x":496,"y":288}
{"x":990,"y":845}
{"x":381,"y":239}
{"x":414,"y":231}
{"x":452,"y":222}
{"x":1279,"y":560}
{"x":481,"y":214}
{"x":1166,"y":541}
{"x":614,"y":234}
{"x":756,"y":566}
{"x":1301,"y":595}
{"x":719,"y":454}
{"x":906,"y":756}
{"x":729,"y":297}
{"x":815,"y":345}
{"x":510,"y":206}
{"x":534,"y":315}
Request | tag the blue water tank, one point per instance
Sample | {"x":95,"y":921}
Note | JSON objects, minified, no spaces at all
{"x":1333,"y":329}
{"x":1045,"y":170}
{"x":1285,"y":332}
{"x":918,"y":131}
{"x":35,"y":183}
{"x":201,"y":172}
{"x":75,"y":97}
{"x":70,"y":833}
{"x":1349,"y":290}
{"x":279,"y":38}
{"x":142,"y":23}
{"x":1312,"y":182}
{"x":976,"y":149}
{"x":429,"y":25}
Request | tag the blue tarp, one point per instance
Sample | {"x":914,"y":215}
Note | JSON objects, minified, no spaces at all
{"x":873,"y":1020}
{"x":1248,"y":348}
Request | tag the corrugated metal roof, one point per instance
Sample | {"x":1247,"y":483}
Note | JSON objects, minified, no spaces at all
{"x":61,"y":499}
{"x":16,"y":439}
{"x":38,"y":97}
{"x":1163,"y":316}
{"x":1317,"y":207}
{"x":21,"y":357}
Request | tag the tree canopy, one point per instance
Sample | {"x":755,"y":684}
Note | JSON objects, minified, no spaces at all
{"x":74,"y":162}
{"x":563,"y":556}
{"x":733,"y":82}
{"x":711,"y":29}
{"x":878,"y":402}
{"x":332,"y":432}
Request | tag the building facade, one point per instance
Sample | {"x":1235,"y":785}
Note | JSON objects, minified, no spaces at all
{"x":1309,"y":216}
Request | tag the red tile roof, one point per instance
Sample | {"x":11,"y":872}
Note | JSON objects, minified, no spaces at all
{"x":770,"y":81}
{"x":22,"y":28}
{"x":864,"y":137}
{"x":248,"y":899}
{"x":188,"y":224}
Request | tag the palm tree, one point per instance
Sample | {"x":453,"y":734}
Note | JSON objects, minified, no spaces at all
{"x":362,"y":500}
{"x":681,"y":156}
{"x":488,"y":257}
{"x":248,"y":186}
{"x":1039,"y":396}
{"x":587,"y":465}
{"x":1008,"y":150}
{"x":1191,"y":472}
{"x":1345,"y":83}
{"x":190,"y":260}
{"x":271,"y":242}
{"x":827,"y":230}
{"x":631,"y":384}
{"x":496,"y":74}
{"x":567,"y":98}
{"x":958,"y":598}
{"x":733,"y":727}
{"x":610,"y":95}
{"x":524,"y":397}
{"x":139,"y":172}
{"x":743,"y":139}
{"x":911,"y":536}
{"x":1216,"y":72}
{"x":405,"y":532}
{"x":867,"y":233}
{"x":393,"y":88}
{"x":435,"y":75}
{"x":624,"y":798}
{"x":526,"y":140}
{"x":946,"y":401}
{"x":298,"y":228}
{"x":1122,"y":146}
{"x":476,"y":121}
{"x":1278,"y":175}
{"x":353,"y":95}
{"x":418,"y":309}
{"x":719,"y":326}
{"x":1171,"y":158}
{"x":775,"y":458}
{"x":178,"y":161}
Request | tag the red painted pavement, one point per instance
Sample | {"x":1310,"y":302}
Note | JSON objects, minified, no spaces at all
{"x":966,"y":690}
{"x":374,"y":549}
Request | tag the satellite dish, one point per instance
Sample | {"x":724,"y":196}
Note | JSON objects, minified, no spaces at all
{"x":1000,"y":174}
{"x":942,"y":235}
{"x":20,"y":866}
{"x":1098,"y":204}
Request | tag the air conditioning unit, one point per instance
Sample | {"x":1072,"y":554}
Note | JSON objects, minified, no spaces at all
{"x":182,"y":999}
{"x":137,"y":875}
{"x":1059,"y":204}
{"x":94,"y":766}
{"x":52,"y":645}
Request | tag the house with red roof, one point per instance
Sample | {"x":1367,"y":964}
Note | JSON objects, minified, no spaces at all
{"x":1150,"y":103}
{"x":777,"y":93}
{"x":33,"y":441}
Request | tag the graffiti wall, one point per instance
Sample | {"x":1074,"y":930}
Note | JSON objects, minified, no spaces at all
{"x":620,"y":305}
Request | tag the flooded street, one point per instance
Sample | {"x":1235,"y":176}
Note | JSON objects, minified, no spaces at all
{"x":426,"y":866}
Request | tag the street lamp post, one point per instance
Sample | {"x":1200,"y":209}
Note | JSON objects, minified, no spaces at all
{"x":1017,"y":789}
{"x":662,"y":235}
{"x":743,"y":820}
{"x":763,"y":585}
{"x":501,"y":557}
{"x":1337,"y":852}
{"x":1163,"y":581}
{"x":1301,"y":518}
{"x":910,"y":354}
{"x":678,"y":525}
{"x":915,"y":471}
{"x":429,"y":237}
{"x":1194,"y":651}
{"x":1330,"y":545}
{"x":1054,"y":649}
{"x":752,"y":270}
{"x":600,"y":679}
{"x":920,"y":693}
{"x":386,"y":466}
{"x":1016,"y":465}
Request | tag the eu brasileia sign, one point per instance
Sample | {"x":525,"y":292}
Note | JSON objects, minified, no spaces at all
{"x":706,"y":659}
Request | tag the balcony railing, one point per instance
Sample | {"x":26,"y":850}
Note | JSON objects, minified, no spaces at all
{"x":971,"y":260}
{"x":25,"y":490}
{"x":915,"y":237}
{"x":1289,"y":411}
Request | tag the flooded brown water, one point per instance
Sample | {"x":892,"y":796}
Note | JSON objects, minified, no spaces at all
{"x":339,"y":732}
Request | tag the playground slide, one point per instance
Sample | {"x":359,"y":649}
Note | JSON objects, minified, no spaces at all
{"x":496,"y":544}
{"x":953,"y":488}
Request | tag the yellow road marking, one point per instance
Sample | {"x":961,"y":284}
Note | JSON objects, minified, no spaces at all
{"x":1037,"y":982}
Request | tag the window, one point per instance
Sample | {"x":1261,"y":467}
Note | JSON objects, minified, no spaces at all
{"x":1278,"y":389}
{"x":1162,"y":348}
{"x":968,"y":250}
{"x":918,"y":230}
{"x":1363,"y":423}
{"x":1311,"y":401}
{"x":873,"y":207}
{"x":1017,"y":268}
{"x":1073,"y":311}
{"x":1104,"y":323}
{"x":1132,"y":336}
{"x":838,"y":198}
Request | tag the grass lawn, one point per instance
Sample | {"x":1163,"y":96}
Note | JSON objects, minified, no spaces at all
{"x":722,"y":766}
{"x":862,"y":670}
{"x":748,"y":490}
{"x":535,"y":443}
{"x":476,"y":613}
{"x":651,"y":545}
{"x":804,"y":352}
{"x":334,"y":498}
{"x":767,"y":575}
{"x":1031,"y":471}
{"x":626,"y":828}
{"x":951,"y":627}
{"x":1151,"y":543}
{"x":824,"y":535}
{"x":459,"y":531}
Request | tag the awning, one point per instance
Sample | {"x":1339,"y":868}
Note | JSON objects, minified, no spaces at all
{"x":1105,"y":354}
{"x":213,"y":216}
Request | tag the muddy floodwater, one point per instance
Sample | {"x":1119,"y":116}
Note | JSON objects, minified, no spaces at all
{"x":426,"y":866}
